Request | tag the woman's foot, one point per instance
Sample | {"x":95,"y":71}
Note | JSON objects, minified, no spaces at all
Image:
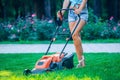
{"x":81,"y":63}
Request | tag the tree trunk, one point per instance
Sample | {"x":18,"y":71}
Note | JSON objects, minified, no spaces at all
{"x":47,"y":9}
{"x":114,"y":9}
{"x":118,"y":9}
{"x":97,"y":7}
{"x":39,"y":7}
{"x":1,"y":10}
{"x":53,"y":9}
{"x":5,"y":6}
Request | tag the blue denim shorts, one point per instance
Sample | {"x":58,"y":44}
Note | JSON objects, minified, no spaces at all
{"x":73,"y":17}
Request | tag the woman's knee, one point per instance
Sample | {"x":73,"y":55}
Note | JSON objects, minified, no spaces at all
{"x":75,"y":36}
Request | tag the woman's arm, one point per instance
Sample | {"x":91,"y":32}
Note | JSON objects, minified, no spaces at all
{"x":65,"y":5}
{"x":83,"y":4}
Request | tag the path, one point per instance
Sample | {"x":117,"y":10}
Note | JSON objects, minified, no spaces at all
{"x":38,"y":48}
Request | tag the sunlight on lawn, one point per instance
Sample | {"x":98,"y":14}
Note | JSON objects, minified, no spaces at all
{"x":73,"y":77}
{"x":5,"y":73}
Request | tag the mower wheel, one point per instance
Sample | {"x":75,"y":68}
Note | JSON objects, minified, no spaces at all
{"x":53,"y":65}
{"x":26,"y":72}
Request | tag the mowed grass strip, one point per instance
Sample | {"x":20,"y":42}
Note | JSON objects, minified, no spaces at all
{"x":99,"y":66}
{"x":61,"y":41}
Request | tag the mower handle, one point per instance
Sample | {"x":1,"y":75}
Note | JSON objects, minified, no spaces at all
{"x":60,"y":18}
{"x":71,"y":32}
{"x":61,"y":15}
{"x":67,"y":10}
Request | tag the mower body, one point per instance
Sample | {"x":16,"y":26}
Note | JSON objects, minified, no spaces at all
{"x":52,"y":63}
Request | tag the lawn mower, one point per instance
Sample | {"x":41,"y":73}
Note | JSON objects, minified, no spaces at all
{"x":57,"y":61}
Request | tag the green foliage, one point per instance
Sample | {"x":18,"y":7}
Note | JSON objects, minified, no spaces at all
{"x":3,"y":33}
{"x":29,"y":28}
{"x":97,"y":28}
{"x":32,"y":29}
{"x":111,"y":30}
{"x":45,"y":30}
{"x":92,"y":31}
{"x":26,"y":29}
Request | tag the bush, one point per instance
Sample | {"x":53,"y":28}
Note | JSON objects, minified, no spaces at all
{"x":31,"y":28}
{"x":101,"y":30}
{"x":45,"y":30}
{"x":26,"y":29}
{"x":92,"y":31}
{"x":3,"y":32}
{"x":111,"y":30}
{"x":97,"y":28}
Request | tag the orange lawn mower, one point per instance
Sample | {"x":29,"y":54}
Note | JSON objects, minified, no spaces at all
{"x":57,"y":61}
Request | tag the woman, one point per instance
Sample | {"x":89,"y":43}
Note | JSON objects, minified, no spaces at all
{"x":80,"y":7}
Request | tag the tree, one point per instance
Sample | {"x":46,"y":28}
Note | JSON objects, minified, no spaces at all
{"x":1,"y":9}
{"x":97,"y":8}
{"x":39,"y":7}
{"x":113,"y":8}
{"x":47,"y":9}
{"x":53,"y":8}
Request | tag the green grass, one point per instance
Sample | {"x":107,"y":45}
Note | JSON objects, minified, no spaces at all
{"x":62,"y":41}
{"x":99,"y":66}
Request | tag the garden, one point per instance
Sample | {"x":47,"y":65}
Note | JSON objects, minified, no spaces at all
{"x":34,"y":22}
{"x":33,"y":29}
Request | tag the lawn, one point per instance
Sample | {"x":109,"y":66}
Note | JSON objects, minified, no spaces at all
{"x":61,"y":41}
{"x":99,"y":66}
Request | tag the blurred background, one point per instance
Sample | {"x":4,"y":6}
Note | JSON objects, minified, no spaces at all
{"x":36,"y":19}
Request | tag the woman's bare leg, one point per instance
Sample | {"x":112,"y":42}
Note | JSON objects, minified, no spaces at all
{"x":77,"y":39}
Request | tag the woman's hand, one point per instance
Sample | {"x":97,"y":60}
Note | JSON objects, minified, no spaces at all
{"x":77,"y":11}
{"x":60,"y":14}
